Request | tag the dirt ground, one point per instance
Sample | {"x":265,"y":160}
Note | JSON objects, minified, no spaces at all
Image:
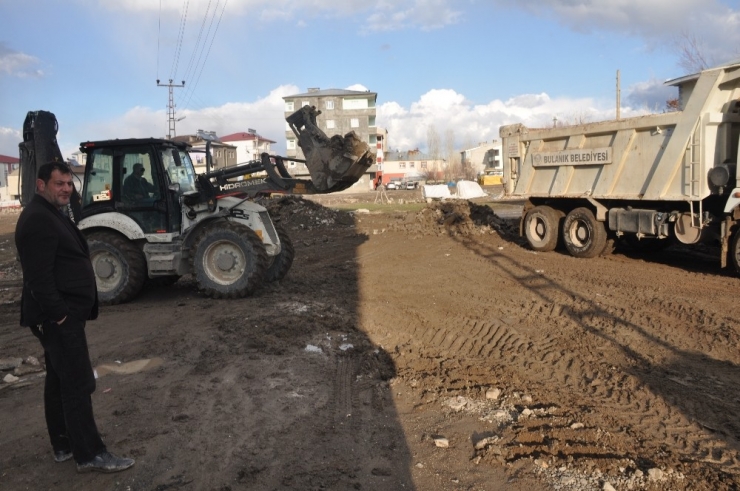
{"x":419,"y":350}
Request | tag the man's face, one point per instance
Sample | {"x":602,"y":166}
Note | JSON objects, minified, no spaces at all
{"x":58,"y":190}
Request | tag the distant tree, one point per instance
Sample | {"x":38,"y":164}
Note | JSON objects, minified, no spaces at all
{"x":671,"y":105}
{"x":691,"y":52}
{"x":452,"y":170}
{"x":432,"y":142}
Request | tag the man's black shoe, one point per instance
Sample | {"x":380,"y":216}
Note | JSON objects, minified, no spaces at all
{"x":62,"y":455}
{"x":105,"y":462}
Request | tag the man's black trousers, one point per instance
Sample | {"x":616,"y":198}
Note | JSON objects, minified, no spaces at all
{"x":69,"y":384}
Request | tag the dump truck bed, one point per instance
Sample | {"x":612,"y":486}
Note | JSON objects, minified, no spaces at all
{"x":657,"y":157}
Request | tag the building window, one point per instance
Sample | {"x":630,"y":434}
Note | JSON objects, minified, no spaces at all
{"x":330,"y":105}
{"x":402,"y":165}
{"x":373,"y":139}
{"x":305,"y":103}
{"x":423,"y":165}
{"x":371,"y":121}
{"x":411,"y":165}
{"x":329,"y":124}
{"x":354,"y":104}
{"x":354,"y":123}
{"x":289,"y":106}
{"x":291,"y":144}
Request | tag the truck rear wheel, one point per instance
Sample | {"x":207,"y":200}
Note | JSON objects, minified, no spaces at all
{"x":735,"y":250}
{"x":283,"y":261}
{"x":119,"y":265}
{"x":583,"y":235}
{"x":541,"y":225}
{"x":229,"y":260}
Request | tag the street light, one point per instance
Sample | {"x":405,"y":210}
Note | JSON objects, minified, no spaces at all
{"x":174,"y":133}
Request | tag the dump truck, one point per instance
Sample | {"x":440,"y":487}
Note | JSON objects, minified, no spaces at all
{"x":642,"y":181}
{"x":148,"y":217}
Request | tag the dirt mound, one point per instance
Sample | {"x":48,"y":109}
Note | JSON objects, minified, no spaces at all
{"x":298,"y":213}
{"x":455,"y":218}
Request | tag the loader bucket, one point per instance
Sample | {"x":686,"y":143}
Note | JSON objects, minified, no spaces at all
{"x":334,"y":163}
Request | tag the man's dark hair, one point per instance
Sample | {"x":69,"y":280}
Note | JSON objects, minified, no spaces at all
{"x":45,"y":170}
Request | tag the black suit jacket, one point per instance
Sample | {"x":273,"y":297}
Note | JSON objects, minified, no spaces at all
{"x":58,"y":277}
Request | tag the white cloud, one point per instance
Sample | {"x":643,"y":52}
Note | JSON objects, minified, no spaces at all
{"x":9,"y":140}
{"x":266,"y":115}
{"x":651,"y":95}
{"x":357,"y":87}
{"x":18,"y":64}
{"x":407,"y":127}
{"x":475,"y":123}
{"x":659,"y":22}
{"x":375,"y":15}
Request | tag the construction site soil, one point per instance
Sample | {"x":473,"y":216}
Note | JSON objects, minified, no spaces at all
{"x":425,"y":349}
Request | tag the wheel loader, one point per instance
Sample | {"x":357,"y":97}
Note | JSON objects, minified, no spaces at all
{"x":148,"y":217}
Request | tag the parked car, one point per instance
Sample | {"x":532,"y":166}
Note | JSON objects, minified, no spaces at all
{"x":391,"y":185}
{"x":410,"y":185}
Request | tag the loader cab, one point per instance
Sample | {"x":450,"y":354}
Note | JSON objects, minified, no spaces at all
{"x":140,"y":178}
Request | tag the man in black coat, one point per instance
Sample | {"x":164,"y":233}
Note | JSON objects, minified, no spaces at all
{"x":59,"y":295}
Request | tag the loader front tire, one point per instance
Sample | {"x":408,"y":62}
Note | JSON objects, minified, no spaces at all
{"x":119,"y":265}
{"x":229,"y":260}
{"x":283,"y":261}
{"x":541,"y":226}
{"x":584,"y":236}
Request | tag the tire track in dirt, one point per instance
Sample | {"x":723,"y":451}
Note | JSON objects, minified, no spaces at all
{"x":631,"y":404}
{"x":705,"y":425}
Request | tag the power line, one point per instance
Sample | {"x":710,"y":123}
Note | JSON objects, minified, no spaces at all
{"x":209,"y":48}
{"x":180,"y":36}
{"x":197,"y":41}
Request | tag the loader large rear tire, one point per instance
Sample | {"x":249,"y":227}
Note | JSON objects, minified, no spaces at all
{"x":229,"y":260}
{"x":119,"y":265}
{"x":584,"y":236}
{"x":283,"y":261}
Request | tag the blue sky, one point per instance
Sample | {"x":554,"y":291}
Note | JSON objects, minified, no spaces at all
{"x":463,"y":67}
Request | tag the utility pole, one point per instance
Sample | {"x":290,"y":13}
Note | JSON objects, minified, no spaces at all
{"x":619,"y":96}
{"x":171,"y":107}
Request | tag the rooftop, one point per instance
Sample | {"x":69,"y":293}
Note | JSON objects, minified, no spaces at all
{"x":5,"y":159}
{"x":332,"y":93}
{"x":244,"y":136}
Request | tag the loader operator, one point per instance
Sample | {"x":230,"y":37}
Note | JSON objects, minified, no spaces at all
{"x":135,"y":186}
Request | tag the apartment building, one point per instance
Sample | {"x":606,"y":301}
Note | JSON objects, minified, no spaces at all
{"x":483,"y":158}
{"x":342,"y":111}
{"x":412,"y":165}
{"x":249,"y":145}
{"x":222,"y":154}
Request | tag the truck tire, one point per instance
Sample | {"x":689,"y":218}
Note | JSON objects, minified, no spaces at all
{"x":229,"y":260}
{"x":119,"y":265}
{"x":583,"y":235}
{"x":283,"y":261}
{"x":735,"y":251}
{"x":541,"y":225}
